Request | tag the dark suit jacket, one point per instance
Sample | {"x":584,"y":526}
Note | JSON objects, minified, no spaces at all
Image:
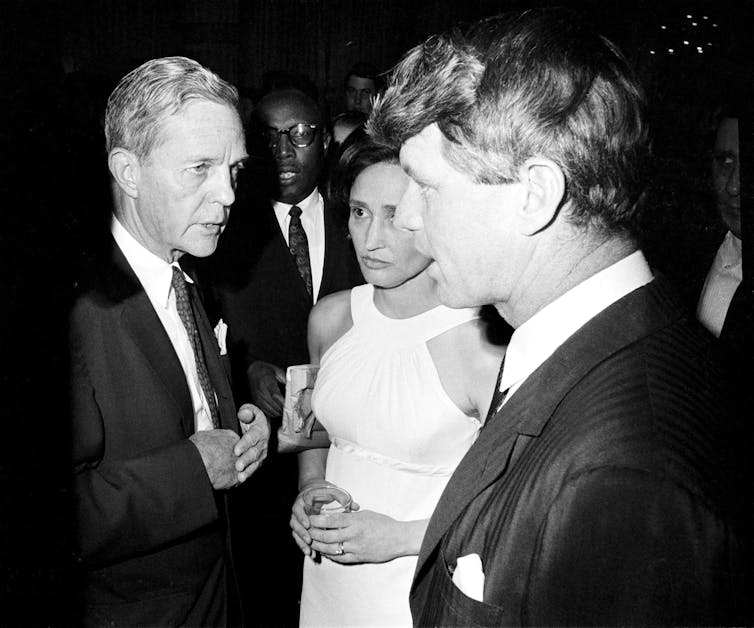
{"x":150,"y":529}
{"x":595,"y":495}
{"x":260,"y":293}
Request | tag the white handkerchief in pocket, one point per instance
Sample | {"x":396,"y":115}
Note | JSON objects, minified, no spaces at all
{"x":469,"y":577}
{"x":221,"y":332}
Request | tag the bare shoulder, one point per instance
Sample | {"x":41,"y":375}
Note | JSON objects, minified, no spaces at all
{"x":329,"y":319}
{"x":470,"y":340}
{"x":467,"y":363}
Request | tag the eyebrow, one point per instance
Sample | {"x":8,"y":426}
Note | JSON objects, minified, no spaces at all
{"x":214,"y":160}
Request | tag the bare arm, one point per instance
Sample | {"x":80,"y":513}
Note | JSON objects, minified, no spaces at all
{"x":328,"y":321}
{"x":311,"y":472}
{"x":467,"y":364}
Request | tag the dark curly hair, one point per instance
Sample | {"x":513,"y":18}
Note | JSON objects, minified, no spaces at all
{"x":358,"y":152}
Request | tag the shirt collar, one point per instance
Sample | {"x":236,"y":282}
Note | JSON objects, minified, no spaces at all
{"x":154,"y":273}
{"x":538,"y":338}
{"x":308,"y":207}
{"x":730,"y":251}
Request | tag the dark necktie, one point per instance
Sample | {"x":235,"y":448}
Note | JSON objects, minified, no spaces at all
{"x":498,"y":397}
{"x":299,"y":245}
{"x":183,"y":305}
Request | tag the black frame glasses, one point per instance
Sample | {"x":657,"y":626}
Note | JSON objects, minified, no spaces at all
{"x":300,"y":135}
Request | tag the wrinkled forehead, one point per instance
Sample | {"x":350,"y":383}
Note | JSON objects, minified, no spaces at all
{"x":192,"y":116}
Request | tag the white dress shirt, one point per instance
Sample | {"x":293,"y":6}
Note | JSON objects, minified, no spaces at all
{"x":156,"y":277}
{"x":538,"y":338}
{"x":723,"y":279}
{"x":313,"y":221}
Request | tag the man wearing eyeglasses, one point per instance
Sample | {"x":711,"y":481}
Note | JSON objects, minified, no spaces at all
{"x":280,"y":253}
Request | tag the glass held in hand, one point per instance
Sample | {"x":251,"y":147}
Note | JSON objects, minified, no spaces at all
{"x":326,"y":500}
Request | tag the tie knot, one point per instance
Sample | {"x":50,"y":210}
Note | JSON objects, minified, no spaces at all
{"x":295,"y":212}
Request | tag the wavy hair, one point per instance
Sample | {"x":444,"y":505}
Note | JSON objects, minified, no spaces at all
{"x":539,"y":83}
{"x":357,"y":153}
{"x":155,"y":90}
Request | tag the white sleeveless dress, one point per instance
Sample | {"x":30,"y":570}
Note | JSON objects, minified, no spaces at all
{"x":396,"y":438}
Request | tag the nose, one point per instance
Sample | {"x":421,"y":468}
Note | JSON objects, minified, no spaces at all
{"x":223,"y":191}
{"x":733,"y":184}
{"x":283,"y":148}
{"x":408,"y":211}
{"x":375,"y":232}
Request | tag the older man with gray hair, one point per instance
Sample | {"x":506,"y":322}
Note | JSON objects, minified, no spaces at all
{"x":156,"y":438}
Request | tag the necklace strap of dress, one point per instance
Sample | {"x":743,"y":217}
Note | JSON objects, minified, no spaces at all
{"x":442,"y":318}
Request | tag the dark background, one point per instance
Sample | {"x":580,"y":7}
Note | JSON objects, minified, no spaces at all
{"x":59,"y":61}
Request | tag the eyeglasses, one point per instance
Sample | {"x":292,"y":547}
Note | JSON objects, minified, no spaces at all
{"x":300,"y":135}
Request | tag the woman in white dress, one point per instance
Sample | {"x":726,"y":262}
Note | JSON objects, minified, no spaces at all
{"x":403,"y":387}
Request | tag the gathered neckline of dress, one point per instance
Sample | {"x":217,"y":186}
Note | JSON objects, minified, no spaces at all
{"x":421,"y":327}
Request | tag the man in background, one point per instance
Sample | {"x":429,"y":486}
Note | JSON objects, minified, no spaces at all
{"x":726,"y":270}
{"x":282,"y":252}
{"x":362,"y":85}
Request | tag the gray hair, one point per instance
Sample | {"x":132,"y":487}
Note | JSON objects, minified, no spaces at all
{"x":155,"y":90}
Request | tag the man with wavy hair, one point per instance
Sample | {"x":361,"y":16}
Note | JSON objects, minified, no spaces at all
{"x":156,"y":438}
{"x":594,"y":494}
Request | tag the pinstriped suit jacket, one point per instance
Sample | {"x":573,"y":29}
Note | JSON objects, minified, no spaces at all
{"x":595,"y":495}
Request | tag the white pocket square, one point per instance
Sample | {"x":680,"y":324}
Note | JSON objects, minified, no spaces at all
{"x":221,"y":332}
{"x":469,"y":577}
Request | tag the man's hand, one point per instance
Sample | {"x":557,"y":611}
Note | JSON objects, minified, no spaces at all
{"x":263,"y":383}
{"x":216,"y":449}
{"x":251,"y":449}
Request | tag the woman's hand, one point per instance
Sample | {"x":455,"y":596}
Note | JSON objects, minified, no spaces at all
{"x":300,"y":520}
{"x":364,"y":537}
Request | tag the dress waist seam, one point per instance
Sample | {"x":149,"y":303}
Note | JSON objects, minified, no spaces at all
{"x":349,"y":448}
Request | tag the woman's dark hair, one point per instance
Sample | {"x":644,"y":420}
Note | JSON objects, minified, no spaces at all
{"x":358,"y":152}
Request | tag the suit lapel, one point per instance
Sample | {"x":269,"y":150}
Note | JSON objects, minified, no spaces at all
{"x":332,"y":251}
{"x":277,"y":241}
{"x":142,"y":323}
{"x":529,"y":409}
{"x":336,"y":251}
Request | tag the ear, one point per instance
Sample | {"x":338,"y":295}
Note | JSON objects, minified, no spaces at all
{"x":545,"y":186}
{"x":124,"y":166}
{"x":326,"y":137}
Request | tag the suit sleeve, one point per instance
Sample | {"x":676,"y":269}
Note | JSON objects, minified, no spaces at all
{"x":623,"y":547}
{"x":133,"y":505}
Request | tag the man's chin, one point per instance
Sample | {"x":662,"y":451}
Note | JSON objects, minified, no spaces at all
{"x":203,"y":247}
{"x":455,"y":297}
{"x":290,"y":197}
